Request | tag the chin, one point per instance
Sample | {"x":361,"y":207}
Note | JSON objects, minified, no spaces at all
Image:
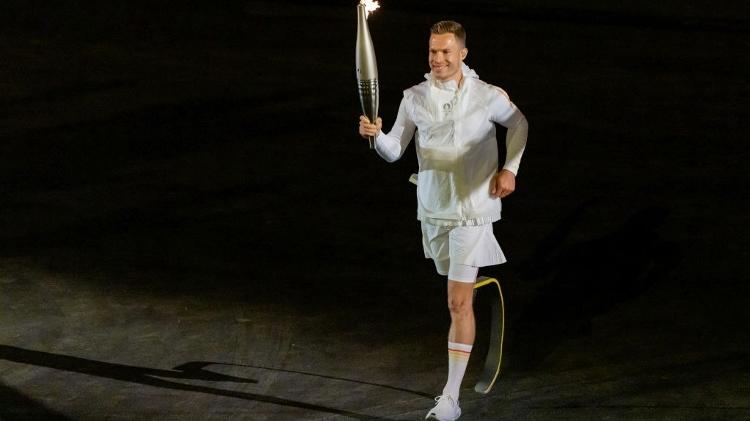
{"x":444,"y":71}
{"x":443,"y":75}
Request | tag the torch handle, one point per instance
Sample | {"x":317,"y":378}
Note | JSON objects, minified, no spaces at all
{"x":369,"y":99}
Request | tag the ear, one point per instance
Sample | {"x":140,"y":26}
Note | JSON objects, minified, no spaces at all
{"x":464,"y":53}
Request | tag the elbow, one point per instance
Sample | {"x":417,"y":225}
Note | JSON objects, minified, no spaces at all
{"x":388,"y":156}
{"x":516,"y":121}
{"x":391,"y":159}
{"x":388,"y":151}
{"x":521,"y":129}
{"x":523,"y":124}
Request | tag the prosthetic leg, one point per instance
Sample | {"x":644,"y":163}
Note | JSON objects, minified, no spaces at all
{"x":491,"y":369}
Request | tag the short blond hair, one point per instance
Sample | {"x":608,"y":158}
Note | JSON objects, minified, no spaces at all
{"x":450,"y":27}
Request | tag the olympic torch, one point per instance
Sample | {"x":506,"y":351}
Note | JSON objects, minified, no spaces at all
{"x":367,"y":66}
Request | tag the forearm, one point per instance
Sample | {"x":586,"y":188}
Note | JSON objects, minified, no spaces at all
{"x":505,"y":113}
{"x":391,"y":146}
{"x":515,"y":142}
{"x":388,"y":147}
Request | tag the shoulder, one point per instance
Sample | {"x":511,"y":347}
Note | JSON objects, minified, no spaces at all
{"x":490,"y":89}
{"x":416,"y":96}
{"x":500,"y":91}
{"x":419,"y":90}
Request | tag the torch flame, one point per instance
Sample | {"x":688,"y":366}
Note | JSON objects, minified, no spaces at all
{"x":370,"y":5}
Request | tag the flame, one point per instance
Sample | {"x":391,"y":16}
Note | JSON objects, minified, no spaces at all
{"x":370,"y":5}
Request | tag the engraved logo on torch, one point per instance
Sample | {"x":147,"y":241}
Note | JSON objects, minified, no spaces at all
{"x":367,"y":66}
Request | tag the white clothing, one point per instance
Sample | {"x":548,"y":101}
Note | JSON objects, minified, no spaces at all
{"x":462,"y":273}
{"x":456,"y":146}
{"x":453,"y":249}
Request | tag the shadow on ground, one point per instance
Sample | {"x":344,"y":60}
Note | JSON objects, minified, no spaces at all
{"x":15,"y":403}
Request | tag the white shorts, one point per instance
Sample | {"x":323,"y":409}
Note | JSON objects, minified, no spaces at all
{"x":459,"y":252}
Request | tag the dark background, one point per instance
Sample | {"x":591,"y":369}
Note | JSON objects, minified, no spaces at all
{"x":210,"y":150}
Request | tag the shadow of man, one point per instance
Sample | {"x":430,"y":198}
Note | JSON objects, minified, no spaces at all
{"x":155,"y":377}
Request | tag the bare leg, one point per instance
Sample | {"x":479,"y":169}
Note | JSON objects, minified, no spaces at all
{"x":460,"y":305}
{"x":460,"y":342}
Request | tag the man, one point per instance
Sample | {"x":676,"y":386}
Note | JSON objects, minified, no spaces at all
{"x":459,"y":187}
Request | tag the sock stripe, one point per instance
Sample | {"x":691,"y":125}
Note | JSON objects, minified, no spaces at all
{"x":459,"y":346}
{"x":458,"y":356}
{"x":458,"y":359}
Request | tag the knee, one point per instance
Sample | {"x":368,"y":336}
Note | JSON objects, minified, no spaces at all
{"x":460,"y":306}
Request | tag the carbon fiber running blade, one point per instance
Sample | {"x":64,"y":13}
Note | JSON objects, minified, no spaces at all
{"x":491,"y":369}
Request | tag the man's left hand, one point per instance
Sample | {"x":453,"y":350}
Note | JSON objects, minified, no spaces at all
{"x":503,"y":184}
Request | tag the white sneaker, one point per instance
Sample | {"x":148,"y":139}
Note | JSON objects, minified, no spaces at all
{"x":446,"y":409}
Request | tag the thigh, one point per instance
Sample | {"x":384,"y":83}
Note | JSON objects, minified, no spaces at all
{"x":462,"y":273}
{"x":475,"y":246}
{"x":435,"y":241}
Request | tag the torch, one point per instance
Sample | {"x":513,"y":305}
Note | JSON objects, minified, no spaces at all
{"x":367,"y":66}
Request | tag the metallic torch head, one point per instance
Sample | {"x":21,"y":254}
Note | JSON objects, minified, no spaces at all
{"x":367,"y":66}
{"x":367,"y":69}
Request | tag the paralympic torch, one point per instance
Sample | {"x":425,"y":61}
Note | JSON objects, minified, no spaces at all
{"x":367,"y":66}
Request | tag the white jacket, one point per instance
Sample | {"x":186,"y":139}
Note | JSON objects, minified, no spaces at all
{"x":456,"y":146}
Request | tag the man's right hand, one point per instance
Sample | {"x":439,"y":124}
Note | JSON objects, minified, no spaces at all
{"x":367,"y":129}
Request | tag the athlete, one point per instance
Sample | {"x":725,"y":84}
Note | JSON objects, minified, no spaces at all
{"x":452,"y":116}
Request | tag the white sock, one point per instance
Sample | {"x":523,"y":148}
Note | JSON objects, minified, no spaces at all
{"x":458,"y":359}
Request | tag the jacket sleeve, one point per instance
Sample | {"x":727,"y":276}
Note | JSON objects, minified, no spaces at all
{"x":505,"y":113}
{"x":391,"y":146}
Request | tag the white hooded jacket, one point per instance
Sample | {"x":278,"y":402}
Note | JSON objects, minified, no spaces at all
{"x":456,"y":146}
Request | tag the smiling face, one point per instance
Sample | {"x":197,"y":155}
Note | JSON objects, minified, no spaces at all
{"x":446,"y":56}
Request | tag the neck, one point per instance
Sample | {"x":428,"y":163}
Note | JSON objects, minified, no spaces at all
{"x":459,"y":78}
